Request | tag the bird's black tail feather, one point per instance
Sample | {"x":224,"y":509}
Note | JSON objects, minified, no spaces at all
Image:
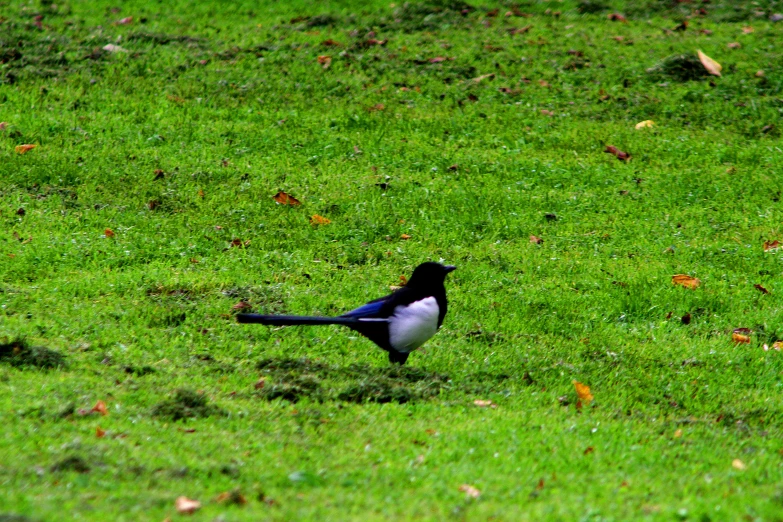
{"x":289,"y":320}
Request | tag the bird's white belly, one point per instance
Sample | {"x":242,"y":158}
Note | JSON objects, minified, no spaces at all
{"x":412,"y":325}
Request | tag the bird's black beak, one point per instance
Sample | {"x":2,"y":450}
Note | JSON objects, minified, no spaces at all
{"x":449,"y":268}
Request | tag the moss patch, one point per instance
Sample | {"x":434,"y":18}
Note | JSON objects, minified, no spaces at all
{"x":186,"y":404}
{"x":18,"y":353}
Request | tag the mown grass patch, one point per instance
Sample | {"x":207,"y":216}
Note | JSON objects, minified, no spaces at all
{"x":469,"y":132}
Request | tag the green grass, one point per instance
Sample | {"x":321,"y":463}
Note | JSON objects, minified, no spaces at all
{"x":228,"y":101}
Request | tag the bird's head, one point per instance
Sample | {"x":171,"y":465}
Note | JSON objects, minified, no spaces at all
{"x":430,"y":273}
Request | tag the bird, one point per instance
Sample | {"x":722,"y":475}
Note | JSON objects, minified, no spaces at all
{"x":399,"y":323}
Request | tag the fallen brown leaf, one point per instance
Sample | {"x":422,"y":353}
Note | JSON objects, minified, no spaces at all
{"x":777,"y":345}
{"x":438,"y":59}
{"x":536,"y":240}
{"x":543,"y":83}
{"x":617,"y":17}
{"x":99,"y":432}
{"x":686,"y":281}
{"x":108,"y":232}
{"x":588,"y":450}
{"x":377,"y":107}
{"x":771,"y":245}
{"x":520,"y":30}
{"x":645,"y":124}
{"x":470,"y":491}
{"x":622,"y":156}
{"x":734,"y":45}
{"x":124,"y":21}
{"x":711,"y":65}
{"x":186,"y":505}
{"x":159,"y":174}
{"x":260,"y":383}
{"x":761,"y":289}
{"x":325,"y":61}
{"x":100,"y":407}
{"x":741,"y":335}
{"x":682,"y":26}
{"x":583,"y":392}
{"x":405,"y":236}
{"x":747,"y":29}
{"x":546,"y":112}
{"x":315,"y":219}
{"x":482,"y":403}
{"x":24,"y":149}
{"x":242,"y":305}
{"x":285,"y":199}
{"x":231,"y":497}
{"x":3,"y":125}
{"x":677,"y":433}
{"x":330,"y":43}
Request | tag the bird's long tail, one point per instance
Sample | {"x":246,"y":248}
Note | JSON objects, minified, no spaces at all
{"x":288,"y":320}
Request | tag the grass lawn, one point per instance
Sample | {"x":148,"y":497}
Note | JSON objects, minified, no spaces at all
{"x":145,"y":218}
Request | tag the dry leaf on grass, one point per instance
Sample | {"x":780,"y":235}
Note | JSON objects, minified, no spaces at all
{"x":645,"y":124}
{"x":711,"y":65}
{"x":536,"y":240}
{"x":622,"y":156}
{"x":100,"y":407}
{"x":483,"y":77}
{"x":761,"y":289}
{"x":741,"y":335}
{"x":315,"y":219}
{"x":186,"y":505}
{"x":111,"y":48}
{"x":325,"y":61}
{"x":583,"y":392}
{"x":470,"y":491}
{"x":231,"y":497}
{"x":108,"y":232}
{"x":520,"y":30}
{"x":482,"y":403}
{"x":405,"y":236}
{"x":3,"y":125}
{"x":769,"y":246}
{"x":242,"y":305}
{"x":24,"y":149}
{"x":286,"y":199}
{"x":100,"y":433}
{"x":738,"y":464}
{"x":617,"y":17}
{"x":686,"y":281}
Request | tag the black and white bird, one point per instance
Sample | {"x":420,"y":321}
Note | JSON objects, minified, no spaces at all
{"x":399,"y":323}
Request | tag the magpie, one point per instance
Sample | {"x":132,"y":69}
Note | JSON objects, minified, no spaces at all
{"x":398,"y":323}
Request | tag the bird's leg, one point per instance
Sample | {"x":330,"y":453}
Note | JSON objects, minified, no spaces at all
{"x":396,"y":357}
